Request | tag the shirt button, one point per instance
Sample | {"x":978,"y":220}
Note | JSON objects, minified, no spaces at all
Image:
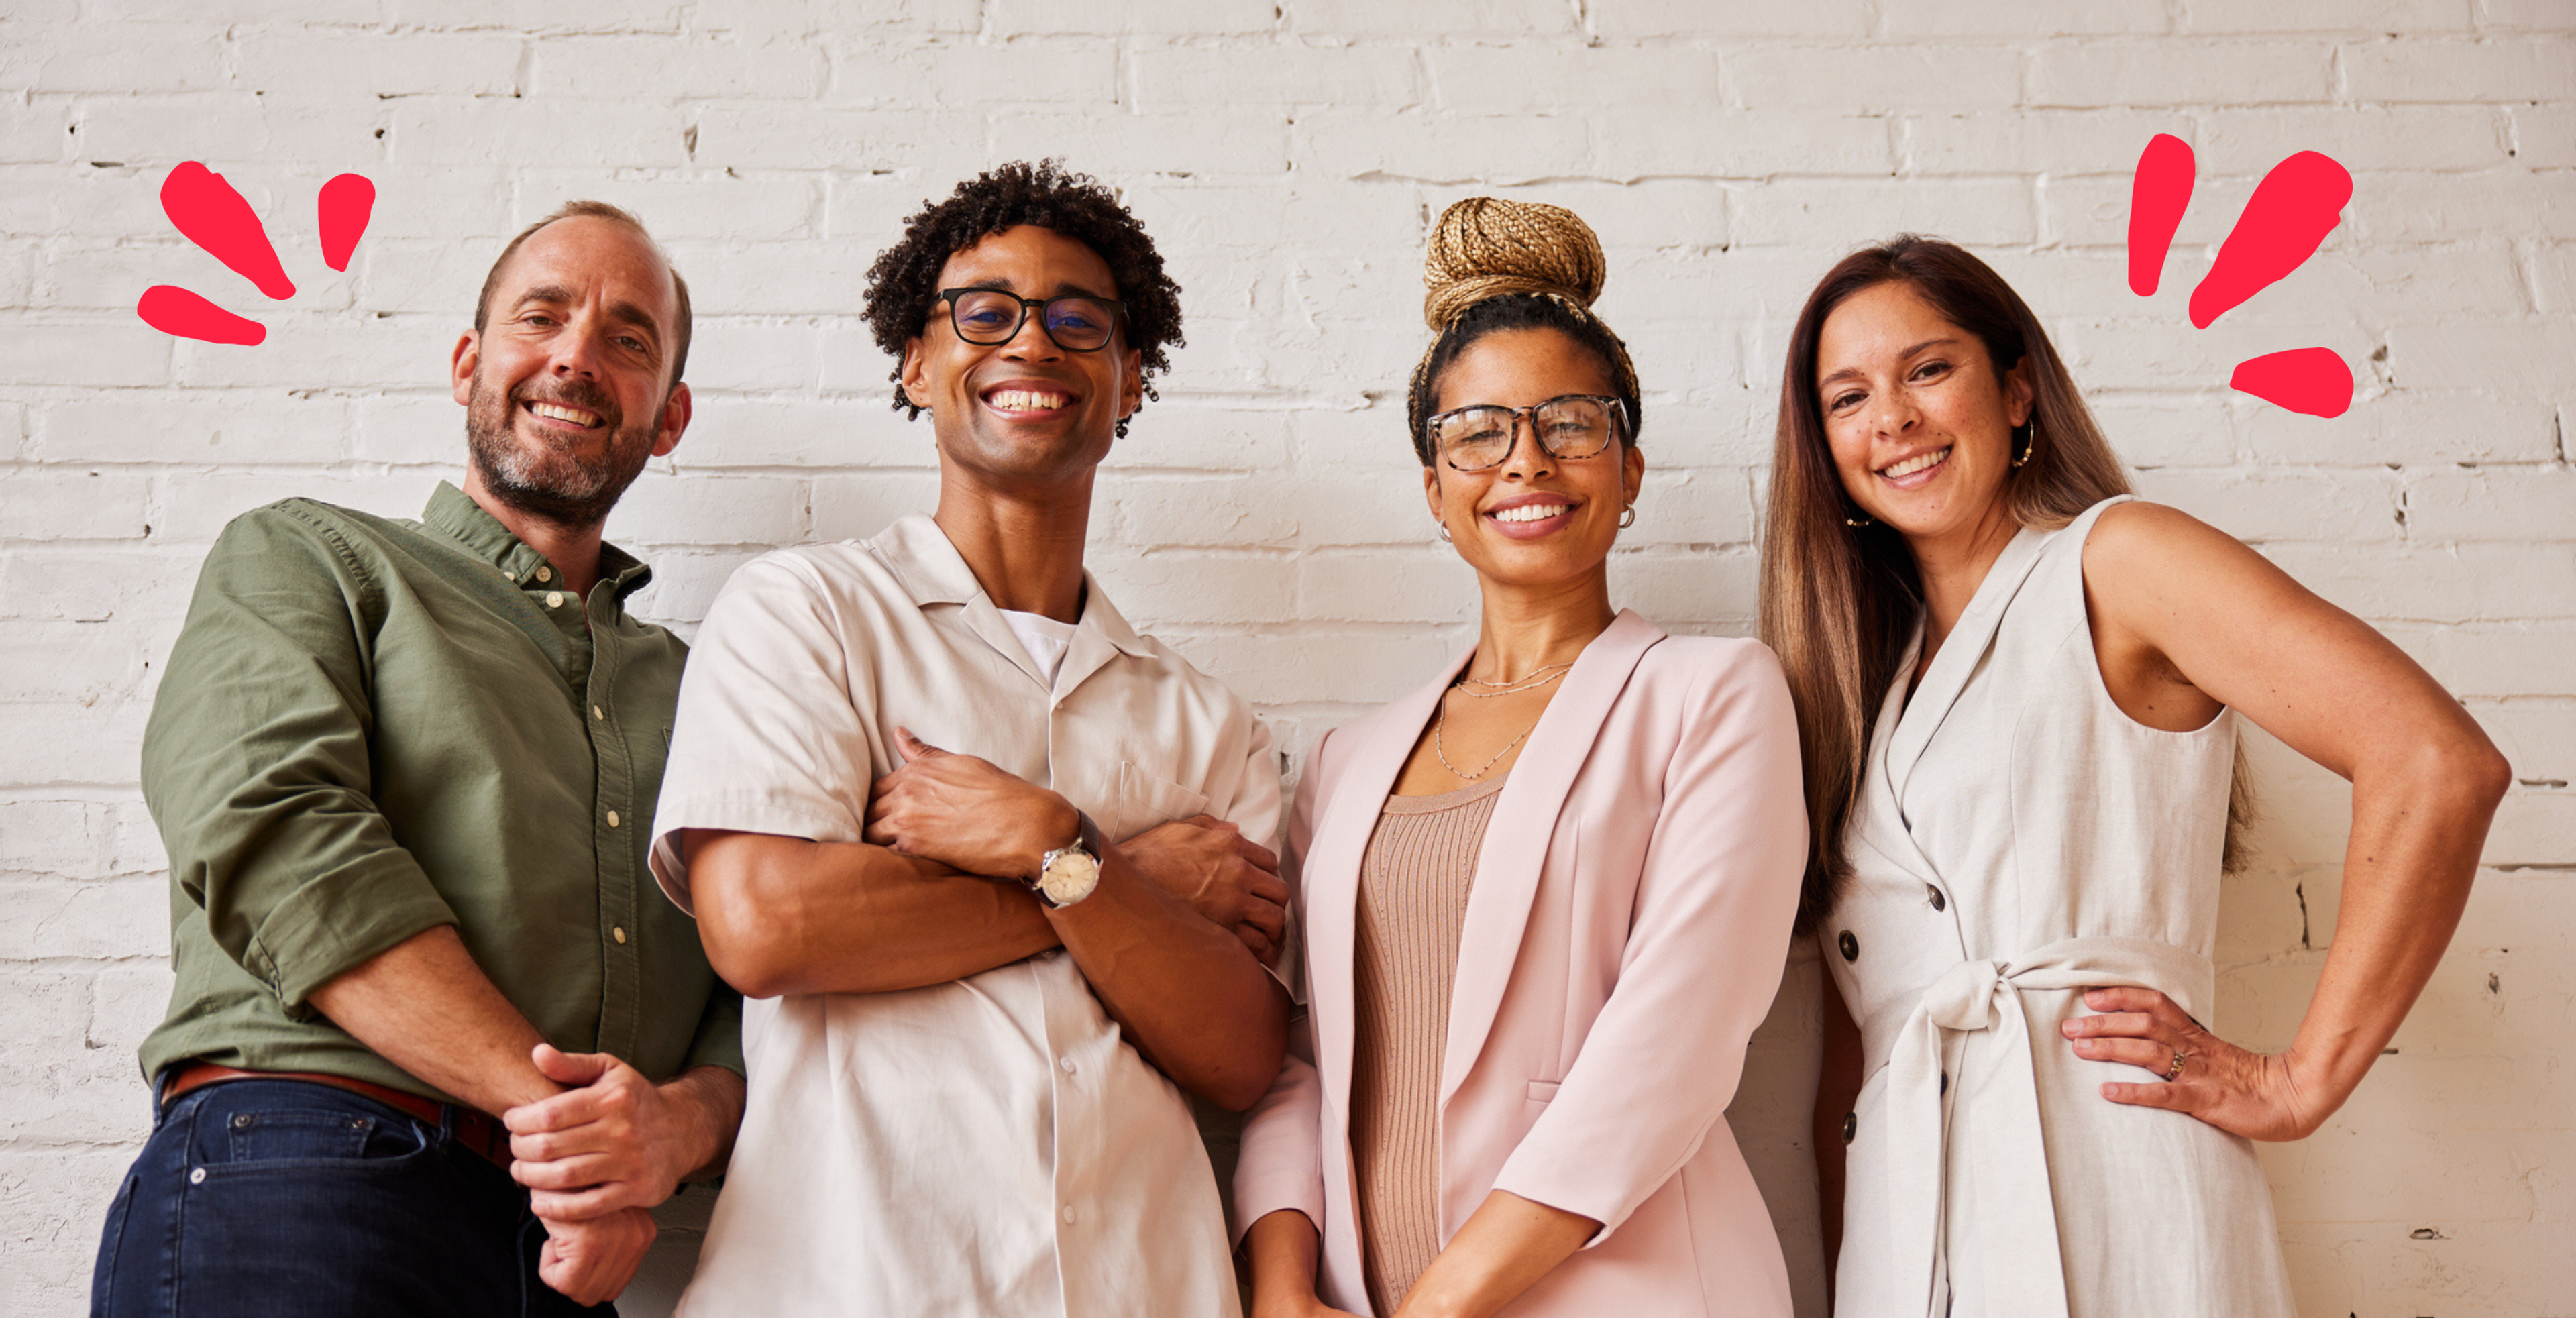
{"x":545,"y":574}
{"x":1851,"y":1126}
{"x":1066,"y":1063}
{"x":612,"y":823}
{"x":598,"y":713}
{"x":554,"y":599}
{"x":1069,"y":1214}
{"x":198,"y":1177}
{"x":618,"y":933}
{"x":1849,"y":945}
{"x":1939,"y":902}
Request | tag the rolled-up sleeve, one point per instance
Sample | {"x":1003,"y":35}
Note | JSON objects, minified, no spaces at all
{"x":1714,"y":906}
{"x":1282,"y":1160}
{"x":256,"y":763}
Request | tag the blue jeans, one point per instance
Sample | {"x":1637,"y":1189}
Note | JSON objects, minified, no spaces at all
{"x":288,"y":1199}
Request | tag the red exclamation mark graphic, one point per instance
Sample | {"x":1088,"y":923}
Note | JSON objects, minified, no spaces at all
{"x":2157,"y":197}
{"x":2290,"y":214}
{"x":174,"y":310}
{"x":343,"y":207}
{"x":2293,"y":209}
{"x":215,"y":217}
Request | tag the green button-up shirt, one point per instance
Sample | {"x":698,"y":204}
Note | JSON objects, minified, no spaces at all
{"x":369,"y":728}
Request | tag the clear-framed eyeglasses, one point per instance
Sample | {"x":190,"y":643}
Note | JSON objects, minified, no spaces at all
{"x":989,"y":317}
{"x":1567,"y":427}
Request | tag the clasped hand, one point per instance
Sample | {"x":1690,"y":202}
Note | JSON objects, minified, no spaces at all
{"x":595,"y":1159}
{"x":2256,"y":1095}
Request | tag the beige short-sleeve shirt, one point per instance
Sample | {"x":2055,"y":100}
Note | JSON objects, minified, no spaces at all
{"x":989,"y":1146}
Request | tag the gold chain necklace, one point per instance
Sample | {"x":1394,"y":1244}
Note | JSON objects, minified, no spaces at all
{"x":1442,"y":717}
{"x":1533,"y":682}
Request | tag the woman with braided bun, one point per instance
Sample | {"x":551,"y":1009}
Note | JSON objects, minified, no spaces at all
{"x":2019,"y":691}
{"x":1546,"y":897}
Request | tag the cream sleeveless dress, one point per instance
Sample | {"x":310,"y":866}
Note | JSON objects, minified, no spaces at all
{"x":2019,"y":838}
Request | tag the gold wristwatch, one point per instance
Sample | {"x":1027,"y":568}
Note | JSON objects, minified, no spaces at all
{"x":1070,"y":872}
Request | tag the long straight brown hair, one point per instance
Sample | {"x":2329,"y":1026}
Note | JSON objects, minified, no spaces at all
{"x":1839,"y":602}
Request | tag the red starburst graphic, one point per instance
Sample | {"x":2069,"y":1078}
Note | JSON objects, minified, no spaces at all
{"x":2290,"y":214}
{"x":209,"y":213}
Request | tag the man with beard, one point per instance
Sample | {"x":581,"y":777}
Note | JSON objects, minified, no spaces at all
{"x":990,"y":958}
{"x":405,"y":771}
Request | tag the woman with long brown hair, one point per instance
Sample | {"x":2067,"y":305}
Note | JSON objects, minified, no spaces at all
{"x":2017,"y":691}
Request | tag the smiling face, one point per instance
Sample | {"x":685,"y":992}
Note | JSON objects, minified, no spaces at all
{"x":1023,"y":410}
{"x":1919,"y":420}
{"x":566,"y":387}
{"x":1531,"y":519}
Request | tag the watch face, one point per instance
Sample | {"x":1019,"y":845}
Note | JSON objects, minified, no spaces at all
{"x":1070,"y":876}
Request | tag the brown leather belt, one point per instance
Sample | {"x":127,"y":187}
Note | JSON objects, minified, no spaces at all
{"x":472,"y":1129}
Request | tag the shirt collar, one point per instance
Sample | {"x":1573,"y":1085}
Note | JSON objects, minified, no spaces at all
{"x":932,"y":571}
{"x":454,"y":512}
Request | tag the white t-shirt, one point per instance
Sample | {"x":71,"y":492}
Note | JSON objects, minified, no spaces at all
{"x":1045,"y":639}
{"x":989,"y":1146}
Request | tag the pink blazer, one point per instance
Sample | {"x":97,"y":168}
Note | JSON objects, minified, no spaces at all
{"x":1625,"y":935}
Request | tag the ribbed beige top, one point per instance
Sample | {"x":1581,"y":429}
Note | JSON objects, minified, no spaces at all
{"x":1414,"y":878}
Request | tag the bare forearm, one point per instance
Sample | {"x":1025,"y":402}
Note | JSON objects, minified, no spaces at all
{"x":1188,"y":993}
{"x":1282,"y":1247}
{"x":424,"y":1005}
{"x":1505,"y":1247}
{"x":2416,"y":835}
{"x":784,"y":915}
{"x":710,"y":1099}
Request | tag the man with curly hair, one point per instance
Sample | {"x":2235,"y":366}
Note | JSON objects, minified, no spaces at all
{"x":982,"y":855}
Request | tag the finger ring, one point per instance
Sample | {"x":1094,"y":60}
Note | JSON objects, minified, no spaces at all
{"x":2176,"y":1068}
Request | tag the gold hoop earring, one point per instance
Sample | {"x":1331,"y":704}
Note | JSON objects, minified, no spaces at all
{"x":1628,"y":518}
{"x":2030,"y":440}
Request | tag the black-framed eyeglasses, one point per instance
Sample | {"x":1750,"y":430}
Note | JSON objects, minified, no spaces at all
{"x":1567,"y":427}
{"x":989,"y":317}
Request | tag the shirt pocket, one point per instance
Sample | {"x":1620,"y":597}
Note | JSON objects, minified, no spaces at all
{"x":1146,"y":799}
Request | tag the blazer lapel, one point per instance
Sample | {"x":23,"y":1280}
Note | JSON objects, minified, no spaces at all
{"x":1882,"y":829}
{"x":1330,"y":870}
{"x":1516,"y":841}
{"x":1960,"y":654}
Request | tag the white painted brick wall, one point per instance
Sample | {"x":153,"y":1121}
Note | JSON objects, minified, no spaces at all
{"x":1264,"y":516}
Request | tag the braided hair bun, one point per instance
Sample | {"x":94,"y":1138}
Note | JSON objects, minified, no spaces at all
{"x":1494,"y":264}
{"x":1485,"y":247}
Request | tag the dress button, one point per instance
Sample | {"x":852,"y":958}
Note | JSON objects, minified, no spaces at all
{"x":1069,"y":1215}
{"x":1849,"y":945}
{"x":1939,"y":902}
{"x":554,"y":599}
{"x":598,"y":713}
{"x":612,"y":820}
{"x":545,"y":574}
{"x":1066,"y":1063}
{"x":618,"y":933}
{"x":1851,"y":1126}
{"x":197,"y":1177}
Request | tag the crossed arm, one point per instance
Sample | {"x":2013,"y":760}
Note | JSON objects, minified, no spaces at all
{"x":1172,"y":941}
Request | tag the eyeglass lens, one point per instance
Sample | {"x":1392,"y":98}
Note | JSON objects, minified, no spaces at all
{"x":989,"y":316}
{"x":1476,"y":437}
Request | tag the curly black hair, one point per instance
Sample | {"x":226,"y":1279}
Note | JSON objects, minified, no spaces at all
{"x":903,"y":285}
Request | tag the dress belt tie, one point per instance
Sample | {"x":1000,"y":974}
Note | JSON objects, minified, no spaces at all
{"x":1910,"y":1038}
